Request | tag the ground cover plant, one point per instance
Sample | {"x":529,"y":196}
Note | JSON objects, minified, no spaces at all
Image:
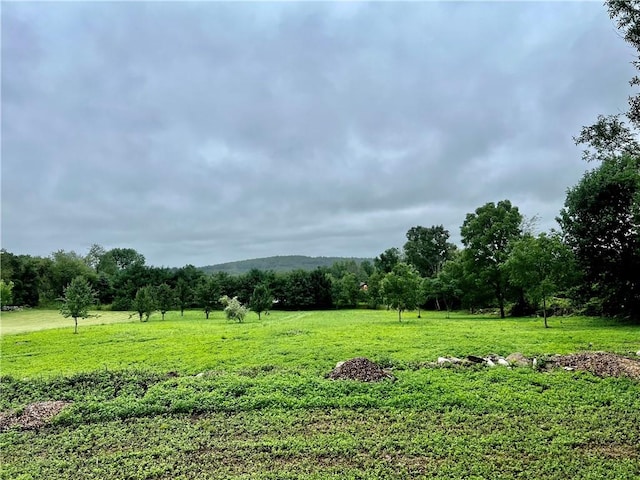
{"x":187,"y":397}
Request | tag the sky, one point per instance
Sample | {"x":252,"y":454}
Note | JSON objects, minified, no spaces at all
{"x":205,"y":132}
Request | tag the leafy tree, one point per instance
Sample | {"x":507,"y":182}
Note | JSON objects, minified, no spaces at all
{"x":400,"y":288}
{"x":207,"y":295}
{"x":64,"y":267}
{"x":6,"y":292}
{"x":94,"y":255}
{"x":346,"y":291}
{"x":78,"y":297}
{"x":118,"y":259}
{"x":542,"y":266}
{"x":427,"y":249}
{"x":387,"y":260}
{"x":233,"y":309}
{"x":184,"y":295}
{"x":298,"y":291}
{"x":601,"y":223}
{"x":487,"y":235}
{"x":261,"y":299}
{"x":165,"y":298}
{"x":321,"y":289}
{"x":373,"y":293}
{"x":145,"y":302}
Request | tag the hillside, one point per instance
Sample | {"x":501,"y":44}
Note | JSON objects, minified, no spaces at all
{"x":285,"y":263}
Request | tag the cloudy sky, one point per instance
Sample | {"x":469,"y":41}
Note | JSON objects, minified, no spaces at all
{"x":210,"y":132}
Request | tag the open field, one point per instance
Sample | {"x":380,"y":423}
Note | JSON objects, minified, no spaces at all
{"x":30,"y":320}
{"x":262,"y":407}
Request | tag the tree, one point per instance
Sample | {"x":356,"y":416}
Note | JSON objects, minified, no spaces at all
{"x":184,"y":295}
{"x":400,"y":288}
{"x":261,"y":299}
{"x":427,"y":249}
{"x":78,"y":297}
{"x":6,"y":293}
{"x":487,"y":235}
{"x":144,"y":302}
{"x":387,"y":260}
{"x":207,"y":295}
{"x":601,"y":223}
{"x":542,"y":266}
{"x":346,"y":291}
{"x":233,"y":309}
{"x":165,"y":298}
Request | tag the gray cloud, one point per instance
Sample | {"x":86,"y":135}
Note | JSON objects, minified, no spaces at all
{"x":205,"y":132}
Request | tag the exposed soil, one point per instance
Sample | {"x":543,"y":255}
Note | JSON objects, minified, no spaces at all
{"x":361,"y":369}
{"x":33,"y":416}
{"x":602,"y":364}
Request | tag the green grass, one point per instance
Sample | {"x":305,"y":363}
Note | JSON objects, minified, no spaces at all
{"x":263,"y":408}
{"x":31,"y":320}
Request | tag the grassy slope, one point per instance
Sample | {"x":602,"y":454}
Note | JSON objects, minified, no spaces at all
{"x":265,"y":411}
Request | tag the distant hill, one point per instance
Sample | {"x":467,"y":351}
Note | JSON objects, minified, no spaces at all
{"x":284,"y":263}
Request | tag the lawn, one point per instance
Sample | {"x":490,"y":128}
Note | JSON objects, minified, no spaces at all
{"x":193,"y":398}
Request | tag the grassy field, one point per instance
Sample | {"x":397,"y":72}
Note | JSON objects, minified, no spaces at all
{"x":261,"y":406}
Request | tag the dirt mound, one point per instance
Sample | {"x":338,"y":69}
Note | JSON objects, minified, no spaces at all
{"x":601,"y":364}
{"x":33,"y":416}
{"x":361,"y":369}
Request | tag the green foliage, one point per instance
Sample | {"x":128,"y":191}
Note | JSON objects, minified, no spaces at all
{"x":261,"y":299}
{"x":207,"y":295}
{"x":233,"y":309}
{"x":78,"y":297}
{"x":427,"y":249}
{"x":346,"y":291}
{"x":401,"y":287}
{"x":145,"y":302}
{"x":388,"y":259}
{"x":6,"y":293}
{"x":543,"y":266}
{"x":487,"y":235}
{"x":601,"y":223}
{"x":165,"y":298}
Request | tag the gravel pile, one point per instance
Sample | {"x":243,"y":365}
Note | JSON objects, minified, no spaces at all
{"x":33,"y":416}
{"x":601,"y":364}
{"x":361,"y":369}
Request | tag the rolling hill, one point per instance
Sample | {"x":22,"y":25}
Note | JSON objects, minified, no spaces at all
{"x":284,"y":263}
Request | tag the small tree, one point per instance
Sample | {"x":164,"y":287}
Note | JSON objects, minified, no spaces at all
{"x":207,"y":295}
{"x":184,"y":295}
{"x":6,"y":293}
{"x":261,"y":299}
{"x":166,"y":298}
{"x":145,"y":302}
{"x":78,"y":297}
{"x":401,"y":288}
{"x":233,"y":309}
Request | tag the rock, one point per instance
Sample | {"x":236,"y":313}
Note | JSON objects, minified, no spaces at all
{"x":201,"y":374}
{"x":339,"y":364}
{"x":490,"y":363}
{"x":455,"y":360}
{"x":443,"y":361}
{"x":518,"y":359}
{"x":535,"y":362}
{"x":569,"y":369}
{"x":503,"y":362}
{"x":474,"y":359}
{"x":638,"y":353}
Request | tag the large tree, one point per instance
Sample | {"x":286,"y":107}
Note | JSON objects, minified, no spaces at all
{"x":78,"y":297}
{"x":388,"y":259}
{"x":487,"y":235}
{"x":601,"y":222}
{"x":543,"y":266}
{"x":427,"y":249}
{"x":207,"y":294}
{"x":401,"y":288}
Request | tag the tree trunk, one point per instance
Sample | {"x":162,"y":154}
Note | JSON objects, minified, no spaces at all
{"x":162,"y":315}
{"x":182,"y":311}
{"x":258,"y":316}
{"x":544,"y":310}
{"x":399,"y":315}
{"x":140,"y":313}
{"x":76,"y":329}
{"x":206,"y":312}
{"x":419,"y":313}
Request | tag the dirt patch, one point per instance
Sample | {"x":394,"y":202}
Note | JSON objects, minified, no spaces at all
{"x":601,"y":364}
{"x":34,"y":415}
{"x":361,"y":369}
